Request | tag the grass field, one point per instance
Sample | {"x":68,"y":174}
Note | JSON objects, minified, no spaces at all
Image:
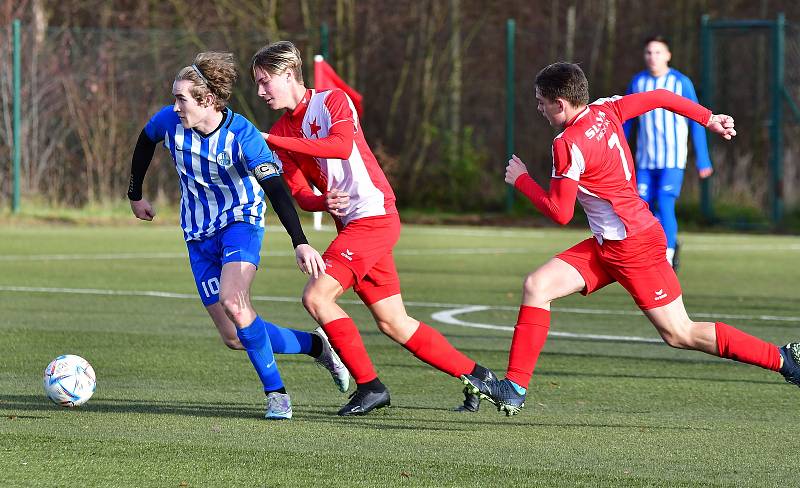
{"x":175,"y":408}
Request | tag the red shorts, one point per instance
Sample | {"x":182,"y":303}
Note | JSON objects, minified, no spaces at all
{"x":361,"y":257}
{"x":638,"y":263}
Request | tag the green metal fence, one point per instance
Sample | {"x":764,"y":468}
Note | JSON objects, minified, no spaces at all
{"x":774,"y":32}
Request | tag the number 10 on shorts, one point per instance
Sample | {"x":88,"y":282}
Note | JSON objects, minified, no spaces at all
{"x":210,"y":287}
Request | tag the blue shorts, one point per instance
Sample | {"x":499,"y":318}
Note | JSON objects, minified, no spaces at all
{"x":235,"y":242}
{"x":654,"y":182}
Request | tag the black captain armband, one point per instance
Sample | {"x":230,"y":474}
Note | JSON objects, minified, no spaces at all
{"x":265,"y":171}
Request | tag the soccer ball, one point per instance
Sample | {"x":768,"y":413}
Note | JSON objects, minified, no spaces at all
{"x":69,"y":381}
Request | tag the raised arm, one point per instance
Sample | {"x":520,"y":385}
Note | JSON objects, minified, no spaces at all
{"x":629,"y":125}
{"x":635,"y":105}
{"x":699,"y":140}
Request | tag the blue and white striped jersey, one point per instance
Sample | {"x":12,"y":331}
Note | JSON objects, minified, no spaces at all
{"x":215,"y":171}
{"x":662,"y":137}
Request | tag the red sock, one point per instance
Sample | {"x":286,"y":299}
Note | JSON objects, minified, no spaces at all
{"x":735,"y":344}
{"x":347,"y":343}
{"x":430,"y":346}
{"x":530,"y":333}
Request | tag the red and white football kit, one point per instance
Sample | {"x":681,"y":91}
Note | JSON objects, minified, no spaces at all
{"x":321,"y":142}
{"x":592,"y":163}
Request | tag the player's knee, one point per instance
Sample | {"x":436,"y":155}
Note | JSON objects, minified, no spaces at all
{"x":536,"y":288}
{"x":396,"y":328}
{"x":234,"y":305}
{"x":679,"y":338}
{"x":390,"y":328}
{"x":316,"y":300}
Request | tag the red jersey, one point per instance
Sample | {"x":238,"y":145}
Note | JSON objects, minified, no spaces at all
{"x":592,"y":152}
{"x":321,"y":143}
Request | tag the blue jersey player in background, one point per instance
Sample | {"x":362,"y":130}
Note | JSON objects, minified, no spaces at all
{"x":661,"y":141}
{"x":225,"y":169}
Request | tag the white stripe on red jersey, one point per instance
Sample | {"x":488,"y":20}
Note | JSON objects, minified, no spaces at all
{"x":359,"y":174}
{"x":592,"y":151}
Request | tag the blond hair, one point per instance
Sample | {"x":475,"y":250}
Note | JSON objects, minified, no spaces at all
{"x":278,"y":57}
{"x":211,"y":72}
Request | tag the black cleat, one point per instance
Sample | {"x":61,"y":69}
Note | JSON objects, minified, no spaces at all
{"x":501,"y":393}
{"x":791,"y":362}
{"x":472,"y":402}
{"x":364,"y":401}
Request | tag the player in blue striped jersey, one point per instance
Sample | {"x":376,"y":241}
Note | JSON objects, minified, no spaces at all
{"x":662,"y":140}
{"x":225,"y":169}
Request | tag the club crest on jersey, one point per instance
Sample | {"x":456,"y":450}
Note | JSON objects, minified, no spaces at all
{"x":224,"y":160}
{"x":600,"y":127}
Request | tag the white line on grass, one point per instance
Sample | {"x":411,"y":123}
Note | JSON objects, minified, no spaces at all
{"x":178,"y":255}
{"x":447,"y":316}
{"x":740,"y":247}
{"x":465,"y":251}
{"x":92,"y":257}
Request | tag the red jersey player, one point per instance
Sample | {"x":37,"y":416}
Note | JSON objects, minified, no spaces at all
{"x":592,"y":163}
{"x":319,"y":140}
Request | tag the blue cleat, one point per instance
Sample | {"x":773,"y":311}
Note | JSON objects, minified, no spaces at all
{"x":791,"y":362}
{"x":500,"y":392}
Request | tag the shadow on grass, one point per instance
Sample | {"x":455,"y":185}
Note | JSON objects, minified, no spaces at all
{"x":704,"y":379}
{"x":391,"y":418}
{"x":641,"y":376}
{"x":113,"y":405}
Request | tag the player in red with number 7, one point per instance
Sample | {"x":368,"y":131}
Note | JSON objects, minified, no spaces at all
{"x":592,"y":163}
{"x":319,"y":140}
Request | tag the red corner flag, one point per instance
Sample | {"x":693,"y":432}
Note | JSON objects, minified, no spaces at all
{"x":325,"y":78}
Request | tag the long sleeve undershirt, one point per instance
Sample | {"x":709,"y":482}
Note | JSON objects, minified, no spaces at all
{"x":299,"y":186}
{"x":558,"y":203}
{"x":634,"y":105}
{"x":284,"y":208}
{"x":338,"y":143}
{"x":142,"y":156}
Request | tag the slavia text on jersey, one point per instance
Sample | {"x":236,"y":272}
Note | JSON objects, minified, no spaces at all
{"x":598,"y":130}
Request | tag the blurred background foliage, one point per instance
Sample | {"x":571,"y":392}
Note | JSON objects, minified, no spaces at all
{"x":432,"y":73}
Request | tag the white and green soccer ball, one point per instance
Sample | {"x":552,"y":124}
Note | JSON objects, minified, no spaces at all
{"x":69,"y":380}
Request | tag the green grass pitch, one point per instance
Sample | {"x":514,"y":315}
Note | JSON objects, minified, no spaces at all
{"x":175,"y":408}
